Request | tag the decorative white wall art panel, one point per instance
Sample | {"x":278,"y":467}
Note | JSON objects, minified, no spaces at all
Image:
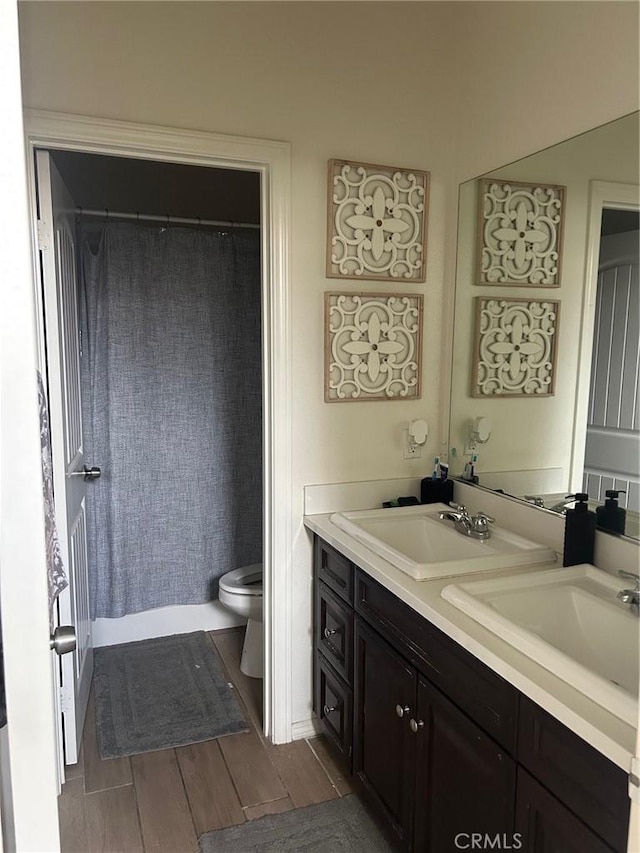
{"x":373,"y":346}
{"x":377,"y":222}
{"x":520,"y":233}
{"x":515,"y":348}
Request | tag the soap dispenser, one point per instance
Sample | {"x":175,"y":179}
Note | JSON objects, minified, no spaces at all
{"x":579,"y":532}
{"x":611,"y":516}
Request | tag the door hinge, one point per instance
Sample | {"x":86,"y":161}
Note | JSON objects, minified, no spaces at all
{"x":43,"y":235}
{"x":66,"y":700}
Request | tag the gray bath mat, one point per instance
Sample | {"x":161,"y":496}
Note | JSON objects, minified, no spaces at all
{"x":160,"y":693}
{"x":338,"y":826}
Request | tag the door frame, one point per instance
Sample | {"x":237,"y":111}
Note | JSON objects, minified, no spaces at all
{"x":602,"y":194}
{"x":272,"y":160}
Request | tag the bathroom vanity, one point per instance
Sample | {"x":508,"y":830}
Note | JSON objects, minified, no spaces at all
{"x":440,"y":743}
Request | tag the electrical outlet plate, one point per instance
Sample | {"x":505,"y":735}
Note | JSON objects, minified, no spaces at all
{"x":410,"y":449}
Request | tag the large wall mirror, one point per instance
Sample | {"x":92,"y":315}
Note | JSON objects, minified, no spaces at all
{"x":544,"y":397}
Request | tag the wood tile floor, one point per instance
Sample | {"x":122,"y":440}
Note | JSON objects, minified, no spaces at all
{"x":160,"y":802}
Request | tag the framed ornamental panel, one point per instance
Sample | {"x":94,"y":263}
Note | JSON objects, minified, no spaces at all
{"x":520,"y":227}
{"x":377,"y":222}
{"x":515,"y":349}
{"x":373,"y":346}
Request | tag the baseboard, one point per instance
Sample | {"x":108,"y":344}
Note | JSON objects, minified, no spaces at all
{"x":162,"y":622}
{"x":305,"y":729}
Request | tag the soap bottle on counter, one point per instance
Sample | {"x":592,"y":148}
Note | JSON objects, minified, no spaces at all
{"x":579,"y":532}
{"x":611,"y":516}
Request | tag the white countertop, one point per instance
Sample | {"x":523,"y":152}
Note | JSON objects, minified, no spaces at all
{"x":605,"y":732}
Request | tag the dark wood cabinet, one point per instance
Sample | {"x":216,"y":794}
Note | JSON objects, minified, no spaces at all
{"x":384,"y":756}
{"x":432,"y":772}
{"x":545,"y":825}
{"x":439,"y":743}
{"x":465,"y":782}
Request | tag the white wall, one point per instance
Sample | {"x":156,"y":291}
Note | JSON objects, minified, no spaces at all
{"x":537,"y":433}
{"x":383,"y":82}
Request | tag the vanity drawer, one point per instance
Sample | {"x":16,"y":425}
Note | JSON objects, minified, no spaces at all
{"x":334,"y":631}
{"x":335,"y":570}
{"x":589,"y":784}
{"x":334,"y":707}
{"x":490,"y":700}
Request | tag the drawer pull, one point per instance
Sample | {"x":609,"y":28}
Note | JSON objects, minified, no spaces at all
{"x":401,"y":710}
{"x":415,"y":725}
{"x":329,"y":632}
{"x":328,"y":709}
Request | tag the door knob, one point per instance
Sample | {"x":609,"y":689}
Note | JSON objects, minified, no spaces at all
{"x":63,"y":640}
{"x":401,"y":710}
{"x":328,"y":709}
{"x":87,"y":473}
{"x":329,"y":632}
{"x":415,"y":725}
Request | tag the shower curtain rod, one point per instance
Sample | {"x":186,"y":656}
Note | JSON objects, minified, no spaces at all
{"x":168,"y":220}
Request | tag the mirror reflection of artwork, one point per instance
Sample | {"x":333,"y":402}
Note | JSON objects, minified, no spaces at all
{"x":373,"y":346}
{"x":377,"y":222}
{"x":520,"y":233}
{"x":545,"y":447}
{"x":515,"y":349}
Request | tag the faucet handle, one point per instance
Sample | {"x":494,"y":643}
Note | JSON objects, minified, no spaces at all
{"x":486,"y":517}
{"x":461,"y":508}
{"x":632,"y":576}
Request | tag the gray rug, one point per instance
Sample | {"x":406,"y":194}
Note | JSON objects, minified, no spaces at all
{"x":338,"y":826}
{"x":160,"y":693}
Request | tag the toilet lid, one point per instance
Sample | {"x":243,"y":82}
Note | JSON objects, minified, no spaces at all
{"x":247,"y":580}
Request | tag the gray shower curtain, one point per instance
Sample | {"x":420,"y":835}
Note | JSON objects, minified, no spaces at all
{"x":172,"y":400}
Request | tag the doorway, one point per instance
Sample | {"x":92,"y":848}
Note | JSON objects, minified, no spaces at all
{"x":613,"y":432}
{"x":272,"y":163}
{"x":157,"y":332}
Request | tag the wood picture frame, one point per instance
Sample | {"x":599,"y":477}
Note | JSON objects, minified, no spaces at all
{"x":515,"y":347}
{"x":377,"y":221}
{"x":520,"y":233}
{"x":373,"y":346}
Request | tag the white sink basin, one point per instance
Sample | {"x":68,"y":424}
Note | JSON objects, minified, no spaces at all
{"x":570,"y":622}
{"x":419,"y":543}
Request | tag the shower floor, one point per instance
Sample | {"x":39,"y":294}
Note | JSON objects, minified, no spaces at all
{"x":162,"y":801}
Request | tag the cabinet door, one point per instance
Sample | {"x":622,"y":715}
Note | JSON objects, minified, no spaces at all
{"x":465,"y":782}
{"x":385,"y":693}
{"x":334,"y":707}
{"x":544,"y":825}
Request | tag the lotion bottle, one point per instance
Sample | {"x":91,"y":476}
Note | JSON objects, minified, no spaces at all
{"x":579,"y":532}
{"x":611,"y":516}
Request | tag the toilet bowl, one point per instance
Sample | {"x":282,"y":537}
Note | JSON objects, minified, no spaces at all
{"x":241,"y":592}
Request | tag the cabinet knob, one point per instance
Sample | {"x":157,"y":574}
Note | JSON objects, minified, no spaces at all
{"x":415,"y":725}
{"x":328,"y":709}
{"x":401,"y":710}
{"x":329,"y":632}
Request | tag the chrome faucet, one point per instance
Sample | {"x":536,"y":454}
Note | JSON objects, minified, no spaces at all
{"x":476,"y":526}
{"x":536,"y":500}
{"x":562,"y":506}
{"x":630,"y":596}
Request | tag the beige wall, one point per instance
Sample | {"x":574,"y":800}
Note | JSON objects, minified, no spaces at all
{"x":453,"y":88}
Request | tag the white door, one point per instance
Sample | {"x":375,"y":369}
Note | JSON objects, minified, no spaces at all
{"x":56,"y":230}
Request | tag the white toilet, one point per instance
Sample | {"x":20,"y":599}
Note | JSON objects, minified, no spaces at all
{"x":241,"y":592}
